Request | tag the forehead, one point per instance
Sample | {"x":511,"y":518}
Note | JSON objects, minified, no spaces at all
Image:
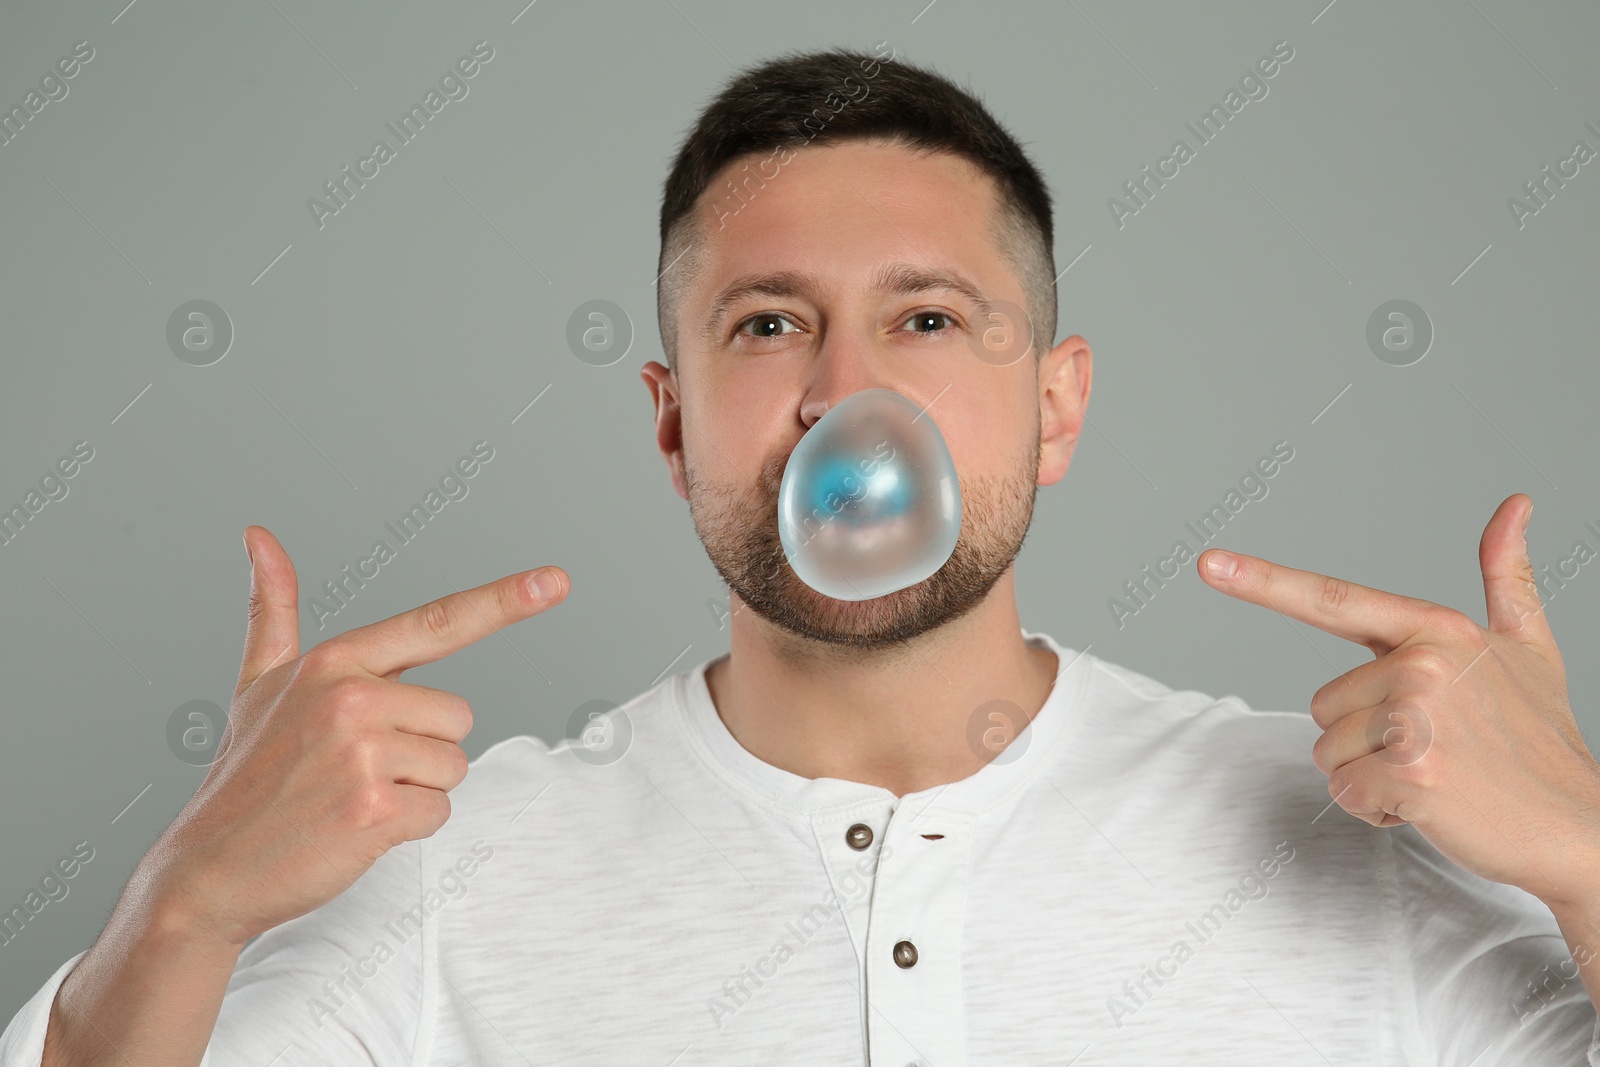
{"x":840,"y":212}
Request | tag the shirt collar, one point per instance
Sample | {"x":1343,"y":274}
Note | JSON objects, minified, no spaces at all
{"x":1028,"y":756}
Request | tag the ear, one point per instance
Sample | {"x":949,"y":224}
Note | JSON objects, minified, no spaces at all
{"x":663,"y":386}
{"x":1065,"y":374}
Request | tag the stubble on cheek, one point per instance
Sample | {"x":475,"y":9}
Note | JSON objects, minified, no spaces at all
{"x":738,"y":524}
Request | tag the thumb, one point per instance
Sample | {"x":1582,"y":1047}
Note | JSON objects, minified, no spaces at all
{"x":1509,"y":587}
{"x":273,"y":634}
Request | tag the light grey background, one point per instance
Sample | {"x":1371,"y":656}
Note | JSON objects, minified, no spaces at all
{"x":1228,"y":314}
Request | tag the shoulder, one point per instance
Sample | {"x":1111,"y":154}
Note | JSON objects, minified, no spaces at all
{"x":1198,"y":722}
{"x":1185,"y":754}
{"x":607,"y":748}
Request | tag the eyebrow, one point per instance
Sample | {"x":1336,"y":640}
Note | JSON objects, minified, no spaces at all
{"x":901,"y":279}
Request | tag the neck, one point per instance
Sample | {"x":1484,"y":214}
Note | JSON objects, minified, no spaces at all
{"x":900,"y":719}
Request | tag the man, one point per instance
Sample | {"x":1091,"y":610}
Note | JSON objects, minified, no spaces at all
{"x":898,"y":831}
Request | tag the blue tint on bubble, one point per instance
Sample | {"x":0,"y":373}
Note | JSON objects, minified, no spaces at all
{"x":870,"y":502}
{"x":840,"y":477}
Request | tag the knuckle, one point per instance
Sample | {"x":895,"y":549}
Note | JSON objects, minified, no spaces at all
{"x":1415,"y":775}
{"x":1319,"y":753}
{"x":510,"y":597}
{"x":1455,"y":624}
{"x":423,"y":815}
{"x":1409,"y":716}
{"x":349,"y":694}
{"x":437,"y":619}
{"x":320,"y":658}
{"x":456,"y":718}
{"x":1407,"y":734}
{"x":436,"y":811}
{"x":1333,"y":596}
{"x":1341,"y":787}
{"x":1319,"y":705}
{"x":1427,"y":664}
{"x":368,"y":806}
{"x":359,"y":757}
{"x":459,"y":764}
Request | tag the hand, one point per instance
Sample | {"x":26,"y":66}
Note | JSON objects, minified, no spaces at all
{"x":1464,"y":732}
{"x":329,"y":760}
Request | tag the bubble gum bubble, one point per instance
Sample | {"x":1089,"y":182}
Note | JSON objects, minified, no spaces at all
{"x":869,"y":503}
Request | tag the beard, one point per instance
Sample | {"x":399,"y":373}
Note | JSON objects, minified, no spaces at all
{"x":739,"y":528}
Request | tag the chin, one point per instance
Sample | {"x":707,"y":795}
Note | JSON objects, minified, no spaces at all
{"x":804,"y":611}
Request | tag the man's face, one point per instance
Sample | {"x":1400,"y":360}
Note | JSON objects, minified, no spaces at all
{"x":754,"y":377}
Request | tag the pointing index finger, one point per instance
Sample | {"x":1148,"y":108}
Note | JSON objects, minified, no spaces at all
{"x":1381,"y":621}
{"x":434,"y":630}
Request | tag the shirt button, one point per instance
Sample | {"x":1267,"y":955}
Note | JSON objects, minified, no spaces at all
{"x":905,"y":954}
{"x":858,"y":836}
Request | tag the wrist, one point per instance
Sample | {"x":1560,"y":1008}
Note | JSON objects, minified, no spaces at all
{"x":1569,"y":885}
{"x":176,"y":924}
{"x":176,"y":910}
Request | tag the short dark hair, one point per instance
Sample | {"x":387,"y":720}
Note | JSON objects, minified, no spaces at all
{"x":836,"y":95}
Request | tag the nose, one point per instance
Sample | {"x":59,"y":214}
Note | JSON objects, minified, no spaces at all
{"x":846,"y":363}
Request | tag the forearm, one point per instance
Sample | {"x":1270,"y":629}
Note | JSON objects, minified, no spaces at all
{"x":146,"y":994}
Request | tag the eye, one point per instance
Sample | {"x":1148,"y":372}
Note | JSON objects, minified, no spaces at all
{"x":930,"y":318}
{"x":763,"y":321}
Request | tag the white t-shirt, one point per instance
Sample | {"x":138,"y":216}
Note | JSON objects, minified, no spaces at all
{"x":1145,"y":876}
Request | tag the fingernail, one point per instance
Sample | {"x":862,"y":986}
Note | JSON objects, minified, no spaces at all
{"x":1526,"y":517}
{"x":546,"y":586}
{"x":1222,"y":565}
{"x":247,"y":553}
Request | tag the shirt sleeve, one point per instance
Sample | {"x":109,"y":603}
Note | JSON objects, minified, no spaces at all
{"x":1491,"y":979}
{"x":340,"y":985}
{"x":22,"y":1044}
